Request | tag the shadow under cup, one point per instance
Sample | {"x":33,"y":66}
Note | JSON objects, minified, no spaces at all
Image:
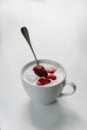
{"x":46,"y":94}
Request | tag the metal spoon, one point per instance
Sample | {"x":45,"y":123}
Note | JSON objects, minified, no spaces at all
{"x":25,"y":33}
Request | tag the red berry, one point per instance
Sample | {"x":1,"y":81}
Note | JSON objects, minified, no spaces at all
{"x":43,"y":81}
{"x":53,"y":77}
{"x":51,"y":70}
{"x":40,"y":70}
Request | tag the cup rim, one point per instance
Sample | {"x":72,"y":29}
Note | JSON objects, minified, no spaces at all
{"x":43,"y":61}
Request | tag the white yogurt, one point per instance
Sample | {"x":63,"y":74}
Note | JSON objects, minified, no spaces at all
{"x":32,"y":78}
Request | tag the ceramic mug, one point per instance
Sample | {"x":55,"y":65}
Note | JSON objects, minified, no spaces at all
{"x":46,"y":95}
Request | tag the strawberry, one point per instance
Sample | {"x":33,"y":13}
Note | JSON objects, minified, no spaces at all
{"x":51,"y":70}
{"x":40,"y":71}
{"x":43,"y":81}
{"x":53,"y":77}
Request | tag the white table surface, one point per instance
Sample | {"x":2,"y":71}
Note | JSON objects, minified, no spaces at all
{"x":58,"y":31}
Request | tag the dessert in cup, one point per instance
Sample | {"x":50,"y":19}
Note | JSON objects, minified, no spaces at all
{"x":43,"y":79}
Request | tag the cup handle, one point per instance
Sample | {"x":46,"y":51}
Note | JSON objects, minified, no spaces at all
{"x":71,"y":84}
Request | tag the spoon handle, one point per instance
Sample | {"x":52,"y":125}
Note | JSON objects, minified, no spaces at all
{"x":25,"y":33}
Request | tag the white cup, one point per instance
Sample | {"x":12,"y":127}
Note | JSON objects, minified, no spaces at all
{"x":46,"y":95}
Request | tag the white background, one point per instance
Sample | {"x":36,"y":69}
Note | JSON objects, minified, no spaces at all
{"x":58,"y":31}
